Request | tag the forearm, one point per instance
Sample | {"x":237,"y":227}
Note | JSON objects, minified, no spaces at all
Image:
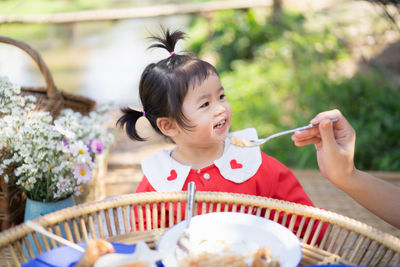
{"x":378,"y":196}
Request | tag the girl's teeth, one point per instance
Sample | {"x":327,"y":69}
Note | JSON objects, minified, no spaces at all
{"x":219,"y":125}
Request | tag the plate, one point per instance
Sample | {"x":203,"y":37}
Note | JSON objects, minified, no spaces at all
{"x":244,"y":233}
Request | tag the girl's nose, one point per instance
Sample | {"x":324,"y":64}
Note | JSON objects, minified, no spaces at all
{"x":219,"y":109}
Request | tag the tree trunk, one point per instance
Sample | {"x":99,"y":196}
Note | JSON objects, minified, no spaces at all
{"x":276,"y":11}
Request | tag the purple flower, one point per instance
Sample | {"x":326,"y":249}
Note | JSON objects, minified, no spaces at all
{"x":97,"y":146}
{"x":87,"y":143}
{"x":66,"y":142}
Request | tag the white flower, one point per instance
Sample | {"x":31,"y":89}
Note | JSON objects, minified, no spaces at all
{"x":78,"y":190}
{"x":61,"y":167}
{"x":67,"y":133}
{"x":62,"y":184}
{"x":38,"y":151}
{"x":82,"y":173}
{"x":80,"y":152}
{"x":64,"y":146}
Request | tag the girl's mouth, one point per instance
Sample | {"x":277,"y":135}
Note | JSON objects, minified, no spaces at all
{"x":220,"y":124}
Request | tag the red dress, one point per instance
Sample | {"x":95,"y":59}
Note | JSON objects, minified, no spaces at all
{"x":272,"y":179}
{"x":239,"y":170}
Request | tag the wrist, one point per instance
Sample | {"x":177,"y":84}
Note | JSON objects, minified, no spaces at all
{"x":350,"y":181}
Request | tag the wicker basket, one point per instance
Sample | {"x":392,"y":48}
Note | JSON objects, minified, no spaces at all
{"x":346,"y":241}
{"x":12,"y":206}
{"x":49,"y":99}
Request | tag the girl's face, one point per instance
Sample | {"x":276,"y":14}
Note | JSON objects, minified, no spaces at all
{"x":207,"y":109}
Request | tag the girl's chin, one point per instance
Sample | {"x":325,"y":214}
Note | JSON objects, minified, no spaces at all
{"x":223,"y":135}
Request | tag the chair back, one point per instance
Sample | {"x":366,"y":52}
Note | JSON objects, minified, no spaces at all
{"x":344,"y":240}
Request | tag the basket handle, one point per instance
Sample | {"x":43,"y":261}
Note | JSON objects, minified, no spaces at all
{"x":52,"y":92}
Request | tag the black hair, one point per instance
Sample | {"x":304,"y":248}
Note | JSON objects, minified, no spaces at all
{"x":164,"y":85}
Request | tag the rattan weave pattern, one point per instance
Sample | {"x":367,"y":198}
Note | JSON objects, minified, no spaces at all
{"x":352,"y":241}
{"x":326,"y":196}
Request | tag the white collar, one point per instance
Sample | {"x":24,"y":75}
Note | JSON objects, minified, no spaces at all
{"x":237,"y":164}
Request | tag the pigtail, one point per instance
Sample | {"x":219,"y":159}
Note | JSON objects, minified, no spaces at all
{"x":128,"y":120}
{"x":167,"y":40}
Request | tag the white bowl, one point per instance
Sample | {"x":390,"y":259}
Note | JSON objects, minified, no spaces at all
{"x":243,"y":233}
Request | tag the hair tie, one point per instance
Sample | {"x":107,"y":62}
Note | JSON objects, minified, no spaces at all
{"x":143,"y":113}
{"x":172,"y":53}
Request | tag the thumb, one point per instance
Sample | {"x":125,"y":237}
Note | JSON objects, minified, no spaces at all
{"x":327,"y":135}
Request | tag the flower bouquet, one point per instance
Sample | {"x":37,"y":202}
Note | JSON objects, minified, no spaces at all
{"x":48,"y":159}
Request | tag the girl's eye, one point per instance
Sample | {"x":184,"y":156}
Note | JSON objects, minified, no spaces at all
{"x":204,"y":105}
{"x":222,"y":96}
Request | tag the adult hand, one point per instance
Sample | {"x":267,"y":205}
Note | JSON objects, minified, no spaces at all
{"x":334,"y":143}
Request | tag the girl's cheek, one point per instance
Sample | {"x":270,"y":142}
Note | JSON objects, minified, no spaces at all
{"x":230,"y":111}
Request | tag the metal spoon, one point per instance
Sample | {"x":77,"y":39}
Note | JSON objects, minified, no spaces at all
{"x":258,"y":142}
{"x":184,"y":240}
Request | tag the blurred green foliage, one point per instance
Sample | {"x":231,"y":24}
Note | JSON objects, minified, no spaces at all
{"x":41,"y":31}
{"x":13,"y":7}
{"x":279,"y":76}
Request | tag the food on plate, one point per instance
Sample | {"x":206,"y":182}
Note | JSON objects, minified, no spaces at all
{"x":207,"y":259}
{"x":94,"y":250}
{"x":101,"y":253}
{"x":136,"y":264}
{"x":237,"y":141}
{"x":217,"y":238}
{"x":143,"y":256}
{"x":260,"y":258}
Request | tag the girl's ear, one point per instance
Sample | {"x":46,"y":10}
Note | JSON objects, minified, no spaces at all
{"x":167,"y":126}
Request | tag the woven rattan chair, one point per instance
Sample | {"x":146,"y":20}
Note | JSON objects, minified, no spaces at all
{"x":345,"y":241}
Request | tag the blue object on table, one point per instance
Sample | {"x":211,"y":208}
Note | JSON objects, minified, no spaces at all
{"x":67,"y":257}
{"x":35,"y":209}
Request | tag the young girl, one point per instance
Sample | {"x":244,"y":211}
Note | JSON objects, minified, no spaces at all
{"x":184,"y":100}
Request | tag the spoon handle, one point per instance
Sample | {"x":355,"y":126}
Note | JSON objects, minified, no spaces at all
{"x":190,"y":201}
{"x":311,"y":126}
{"x":40,"y":229}
{"x":295,"y":130}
